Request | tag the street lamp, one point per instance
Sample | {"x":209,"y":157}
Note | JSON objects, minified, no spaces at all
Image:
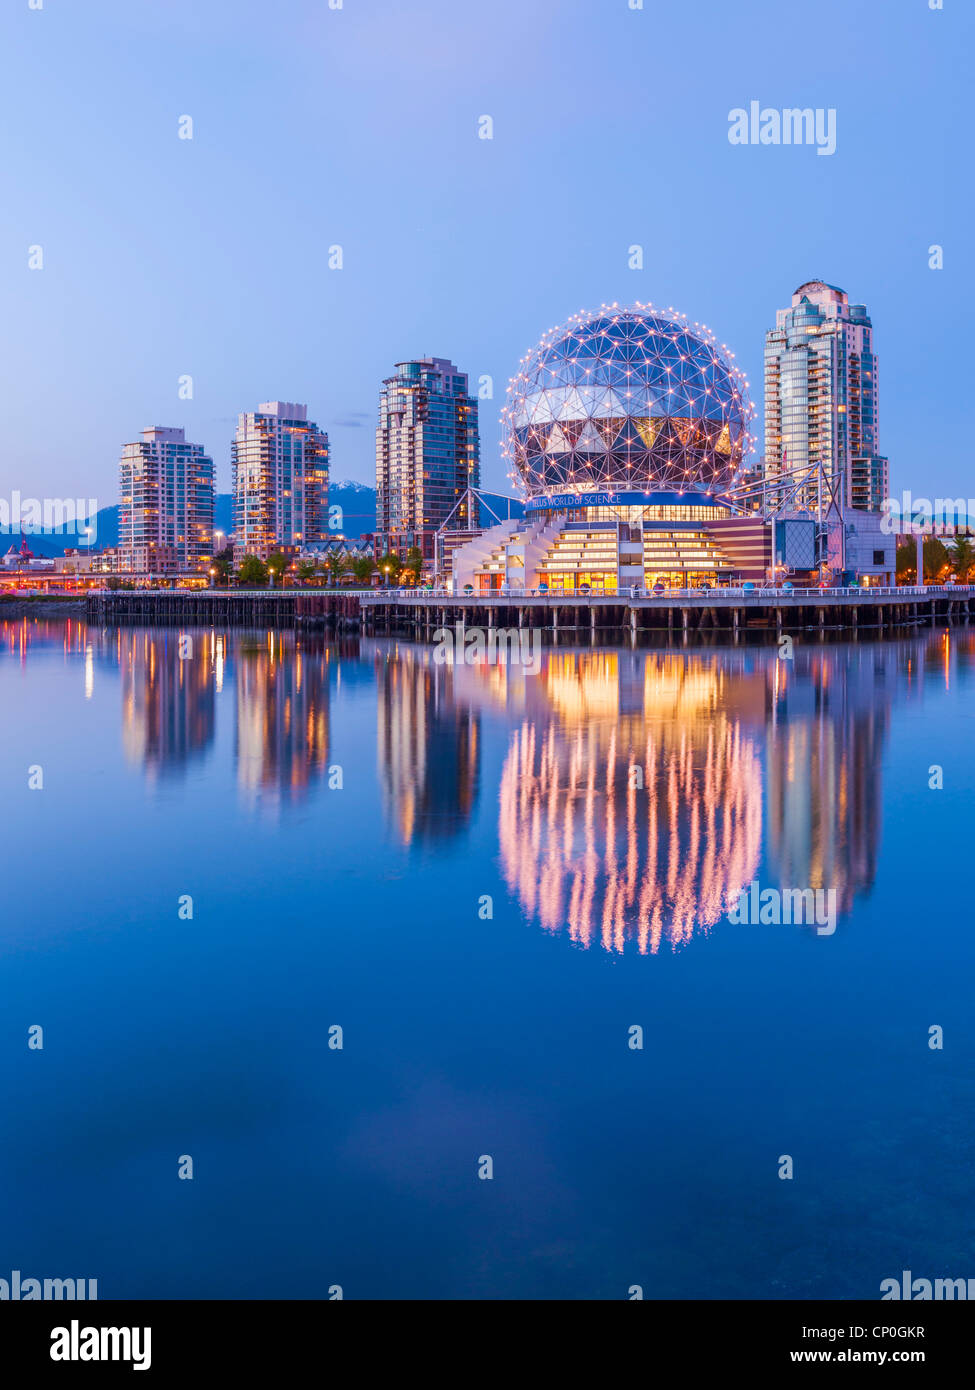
{"x":386,"y":571}
{"x":213,"y":576}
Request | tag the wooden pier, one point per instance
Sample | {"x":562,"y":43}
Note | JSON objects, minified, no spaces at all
{"x":287,"y":608}
{"x":675,"y":614}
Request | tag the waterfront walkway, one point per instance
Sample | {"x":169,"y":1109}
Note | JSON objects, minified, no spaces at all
{"x":422,"y":611}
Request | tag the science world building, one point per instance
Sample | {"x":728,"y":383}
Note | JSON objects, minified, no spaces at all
{"x":624,"y":430}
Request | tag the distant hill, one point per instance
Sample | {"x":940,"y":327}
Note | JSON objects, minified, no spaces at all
{"x":105,"y":533}
{"x":358,"y":503}
{"x":357,"y":500}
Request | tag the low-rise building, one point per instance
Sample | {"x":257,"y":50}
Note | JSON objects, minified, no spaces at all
{"x":871,"y":553}
{"x":600,"y":544}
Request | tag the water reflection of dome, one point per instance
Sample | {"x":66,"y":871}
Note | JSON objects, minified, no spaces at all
{"x":634,"y":828}
{"x":582,"y":686}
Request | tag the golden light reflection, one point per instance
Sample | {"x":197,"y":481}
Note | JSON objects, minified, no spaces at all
{"x":638,"y":787}
{"x":638,"y":791}
{"x":427,"y":743}
{"x":823,"y":769}
{"x":283,"y":726}
{"x":640,"y":829}
{"x":168,"y":714}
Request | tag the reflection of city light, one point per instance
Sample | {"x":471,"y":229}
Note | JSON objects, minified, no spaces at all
{"x":282,"y":719}
{"x":577,"y":700}
{"x":823,"y":793}
{"x":167,"y":702}
{"x":640,"y":829}
{"x":730,"y":747}
{"x":428,"y":746}
{"x":633,"y":797}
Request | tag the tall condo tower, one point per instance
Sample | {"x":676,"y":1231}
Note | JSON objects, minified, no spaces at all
{"x":280,"y":479}
{"x":821,"y":404}
{"x":166,"y":503}
{"x":427,"y":456}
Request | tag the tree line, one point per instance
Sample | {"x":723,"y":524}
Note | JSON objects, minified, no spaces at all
{"x":940,"y":561}
{"x":333,"y":568}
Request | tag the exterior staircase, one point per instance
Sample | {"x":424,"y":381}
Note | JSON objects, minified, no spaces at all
{"x":481,"y":551}
{"x":539,"y":539}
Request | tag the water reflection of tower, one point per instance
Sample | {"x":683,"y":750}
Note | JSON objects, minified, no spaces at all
{"x":631,"y":799}
{"x":825,"y":748}
{"x":168,"y":712}
{"x":23,"y":635}
{"x":282,"y":739}
{"x":428,"y":746}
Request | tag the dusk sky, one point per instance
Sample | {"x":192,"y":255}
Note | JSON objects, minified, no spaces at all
{"x":358,"y":127}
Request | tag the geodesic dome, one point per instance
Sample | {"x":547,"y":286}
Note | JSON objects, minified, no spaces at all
{"x":632,"y":398}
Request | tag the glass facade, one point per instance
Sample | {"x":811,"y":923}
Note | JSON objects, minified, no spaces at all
{"x":166,"y":494}
{"x":821,"y":402}
{"x":427,"y":454}
{"x":637,"y":515}
{"x":280,"y":479}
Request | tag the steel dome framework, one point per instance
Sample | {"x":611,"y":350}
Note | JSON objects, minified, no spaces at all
{"x":627,"y":398}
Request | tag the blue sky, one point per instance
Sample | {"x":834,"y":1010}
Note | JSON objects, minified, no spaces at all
{"x":358,"y":127}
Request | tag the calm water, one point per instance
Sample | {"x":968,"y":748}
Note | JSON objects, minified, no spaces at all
{"x":358,"y":905}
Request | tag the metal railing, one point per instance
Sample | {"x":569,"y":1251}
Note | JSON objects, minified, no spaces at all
{"x":757,"y":591}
